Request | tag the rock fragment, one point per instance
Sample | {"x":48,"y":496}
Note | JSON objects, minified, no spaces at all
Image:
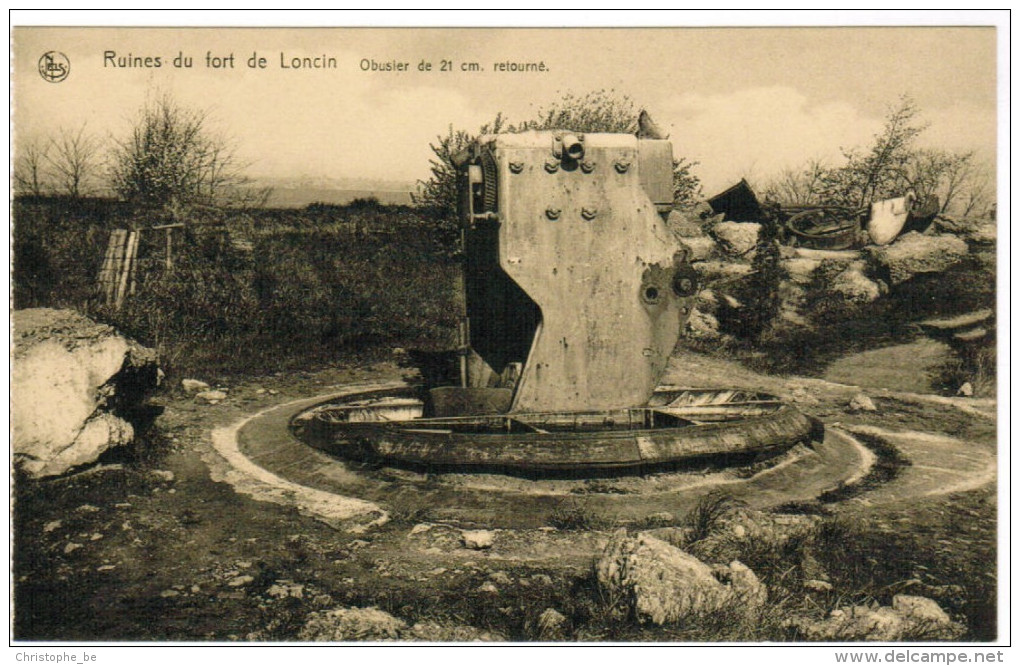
{"x":478,"y":539}
{"x":192,"y":386}
{"x":862,"y":403}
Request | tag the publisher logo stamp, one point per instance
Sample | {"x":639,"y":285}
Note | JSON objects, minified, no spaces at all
{"x":54,"y":66}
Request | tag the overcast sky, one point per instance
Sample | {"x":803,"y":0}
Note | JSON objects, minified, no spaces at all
{"x":743,"y":102}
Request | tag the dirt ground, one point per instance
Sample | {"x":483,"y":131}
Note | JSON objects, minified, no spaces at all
{"x":155,"y":548}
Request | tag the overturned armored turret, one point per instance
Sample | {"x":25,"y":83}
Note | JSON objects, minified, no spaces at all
{"x":575,"y":290}
{"x":575,"y":294}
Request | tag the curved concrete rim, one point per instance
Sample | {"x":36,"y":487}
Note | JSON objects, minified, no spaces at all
{"x":260,"y":457}
{"x":261,"y":484}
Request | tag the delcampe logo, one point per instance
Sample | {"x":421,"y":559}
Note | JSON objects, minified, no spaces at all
{"x":54,"y":66}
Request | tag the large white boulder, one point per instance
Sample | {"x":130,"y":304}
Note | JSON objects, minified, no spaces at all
{"x":69,"y":379}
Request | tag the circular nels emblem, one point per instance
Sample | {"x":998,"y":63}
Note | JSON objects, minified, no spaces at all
{"x":54,"y":66}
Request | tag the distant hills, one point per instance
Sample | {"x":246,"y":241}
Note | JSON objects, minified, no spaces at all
{"x":299,"y":191}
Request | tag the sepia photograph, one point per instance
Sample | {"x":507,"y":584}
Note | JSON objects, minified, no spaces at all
{"x":509,"y":334}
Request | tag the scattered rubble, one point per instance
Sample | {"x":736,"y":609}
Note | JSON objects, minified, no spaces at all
{"x":283,"y":589}
{"x":372,"y":624}
{"x":909,"y":618}
{"x":439,"y":633}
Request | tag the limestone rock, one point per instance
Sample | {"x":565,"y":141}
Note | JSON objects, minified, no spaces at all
{"x":478,"y":539}
{"x":687,"y":224}
{"x":921,"y":609}
{"x":500,"y":578}
{"x":212,"y":397}
{"x":744,"y":584}
{"x":701,"y":247}
{"x":552,"y":625}
{"x":721,"y":271}
{"x":69,"y":374}
{"x":351,"y":624}
{"x":816,"y":585}
{"x":915,"y":253}
{"x":702,"y":325}
{"x":862,"y":403}
{"x":192,"y":386}
{"x":855,"y":287}
{"x":966,"y":390}
{"x":667,"y":584}
{"x":801,"y":269}
{"x":736,"y":238}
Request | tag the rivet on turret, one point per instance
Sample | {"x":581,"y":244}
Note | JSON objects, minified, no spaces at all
{"x":621,"y":166}
{"x":589,"y":213}
{"x":552,"y":167}
{"x":516,"y":167}
{"x":587,"y":167}
{"x":552,"y":213}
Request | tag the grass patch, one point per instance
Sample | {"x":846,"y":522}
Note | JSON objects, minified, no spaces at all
{"x":889,"y":462}
{"x":579,"y":515}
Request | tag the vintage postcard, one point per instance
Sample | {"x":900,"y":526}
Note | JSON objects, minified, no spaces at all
{"x":509,"y":335}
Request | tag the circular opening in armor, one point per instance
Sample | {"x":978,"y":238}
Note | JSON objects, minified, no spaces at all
{"x":684,"y":284}
{"x":651,"y":294}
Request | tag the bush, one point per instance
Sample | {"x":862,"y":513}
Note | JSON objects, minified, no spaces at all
{"x":252,"y":291}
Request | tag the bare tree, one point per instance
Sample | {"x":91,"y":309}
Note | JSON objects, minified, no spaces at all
{"x":797,"y":187}
{"x":30,"y":175}
{"x":942,"y":173}
{"x":978,"y":194}
{"x":74,"y":159}
{"x":172,"y":159}
{"x":879,"y":172}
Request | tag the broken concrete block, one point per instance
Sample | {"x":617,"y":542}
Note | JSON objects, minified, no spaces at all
{"x":915,"y":253}
{"x":67,"y":371}
{"x":736,"y":238}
